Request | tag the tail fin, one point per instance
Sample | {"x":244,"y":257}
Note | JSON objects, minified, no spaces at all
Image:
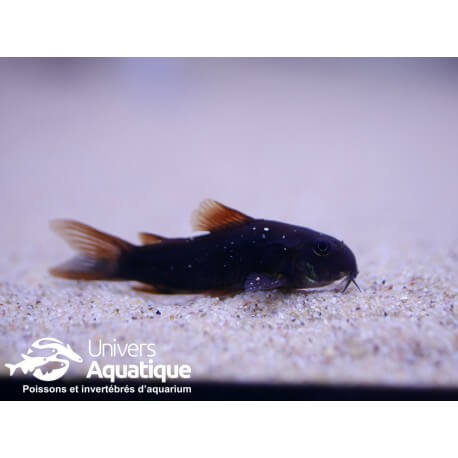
{"x":12,"y":368}
{"x":100,"y":253}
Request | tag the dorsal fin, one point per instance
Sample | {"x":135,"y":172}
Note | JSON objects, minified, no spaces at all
{"x":212,"y":216}
{"x":150,"y":239}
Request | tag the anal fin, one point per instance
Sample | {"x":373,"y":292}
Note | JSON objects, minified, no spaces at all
{"x":150,"y":289}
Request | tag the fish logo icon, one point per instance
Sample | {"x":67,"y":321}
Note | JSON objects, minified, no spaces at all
{"x":47,"y":359}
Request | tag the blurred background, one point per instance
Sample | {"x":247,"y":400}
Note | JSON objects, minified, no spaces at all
{"x":363,"y":149}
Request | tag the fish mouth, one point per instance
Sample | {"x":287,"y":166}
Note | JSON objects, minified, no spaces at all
{"x":351,"y":279}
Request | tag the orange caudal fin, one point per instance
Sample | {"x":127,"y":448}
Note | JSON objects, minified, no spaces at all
{"x":99,"y":255}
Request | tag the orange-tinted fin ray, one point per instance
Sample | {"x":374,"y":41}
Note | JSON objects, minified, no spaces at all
{"x":212,"y":216}
{"x":150,"y":239}
{"x":145,"y":289}
{"x":151,"y":289}
{"x":99,"y":253}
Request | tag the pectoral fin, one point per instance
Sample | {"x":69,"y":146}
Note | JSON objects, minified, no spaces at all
{"x":261,"y":282}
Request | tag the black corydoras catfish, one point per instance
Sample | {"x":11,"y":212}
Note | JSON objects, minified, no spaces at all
{"x":239,"y":253}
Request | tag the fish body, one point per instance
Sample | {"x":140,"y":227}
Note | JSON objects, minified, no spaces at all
{"x":57,"y":348}
{"x":53,"y":369}
{"x":239,"y":253}
{"x":28,"y":364}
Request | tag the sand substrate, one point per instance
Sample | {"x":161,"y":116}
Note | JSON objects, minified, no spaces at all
{"x":402,"y":329}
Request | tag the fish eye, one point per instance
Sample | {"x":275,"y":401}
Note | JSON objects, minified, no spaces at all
{"x":321,"y":248}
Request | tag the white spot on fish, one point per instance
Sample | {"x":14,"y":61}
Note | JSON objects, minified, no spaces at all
{"x":190,"y":266}
{"x":283,"y":236}
{"x":258,"y":278}
{"x":254,"y":228}
{"x":266,"y":229}
{"x":263,"y":236}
